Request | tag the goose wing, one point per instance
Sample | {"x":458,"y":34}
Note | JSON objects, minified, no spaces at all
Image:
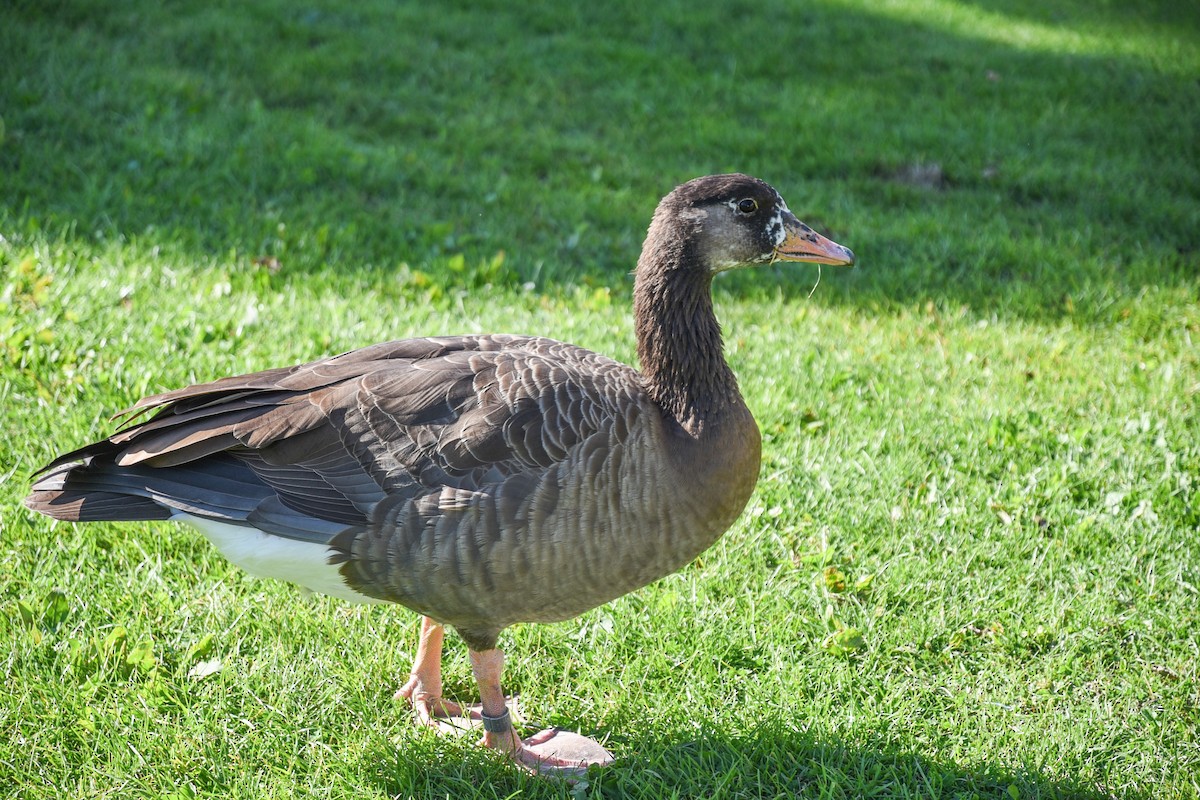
{"x":312,"y":451}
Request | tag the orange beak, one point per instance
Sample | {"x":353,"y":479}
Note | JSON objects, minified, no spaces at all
{"x":802,"y":243}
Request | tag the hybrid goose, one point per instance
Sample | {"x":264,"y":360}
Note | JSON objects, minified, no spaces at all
{"x":480,"y":480}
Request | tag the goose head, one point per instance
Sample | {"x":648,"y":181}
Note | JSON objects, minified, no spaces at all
{"x":723,"y":222}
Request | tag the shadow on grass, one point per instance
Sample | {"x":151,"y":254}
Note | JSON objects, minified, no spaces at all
{"x":770,"y":762}
{"x":322,"y":136}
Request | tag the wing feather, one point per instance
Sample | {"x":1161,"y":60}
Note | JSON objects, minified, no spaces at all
{"x":315,"y":448}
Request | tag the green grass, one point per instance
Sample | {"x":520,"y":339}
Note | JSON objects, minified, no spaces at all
{"x":972,"y":566}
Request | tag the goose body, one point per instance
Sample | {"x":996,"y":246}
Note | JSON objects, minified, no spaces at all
{"x":479,"y":480}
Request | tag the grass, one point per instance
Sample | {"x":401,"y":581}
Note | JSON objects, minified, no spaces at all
{"x":971,"y":568}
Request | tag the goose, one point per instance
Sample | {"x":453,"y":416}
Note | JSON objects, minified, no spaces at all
{"x":479,"y":480}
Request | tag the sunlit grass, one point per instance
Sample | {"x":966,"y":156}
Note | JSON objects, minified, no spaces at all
{"x":970,"y":566}
{"x":1046,"y":28}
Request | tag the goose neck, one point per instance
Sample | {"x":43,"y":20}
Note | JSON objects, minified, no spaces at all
{"x":679,"y":341}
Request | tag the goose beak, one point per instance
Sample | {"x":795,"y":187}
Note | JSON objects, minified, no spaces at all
{"x":802,"y":243}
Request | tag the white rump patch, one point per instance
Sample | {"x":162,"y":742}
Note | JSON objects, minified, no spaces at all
{"x":303,"y":563}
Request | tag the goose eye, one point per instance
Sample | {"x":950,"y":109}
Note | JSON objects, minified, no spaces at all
{"x":747,"y":205}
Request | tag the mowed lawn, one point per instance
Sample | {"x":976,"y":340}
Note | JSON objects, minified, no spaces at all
{"x":972,"y":564}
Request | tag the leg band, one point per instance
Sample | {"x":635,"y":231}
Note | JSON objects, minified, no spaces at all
{"x":499,"y":724}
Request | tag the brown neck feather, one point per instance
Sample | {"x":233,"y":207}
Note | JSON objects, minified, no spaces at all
{"x":679,"y":338}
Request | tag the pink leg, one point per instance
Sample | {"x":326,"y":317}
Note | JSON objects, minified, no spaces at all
{"x":424,"y":687}
{"x":488,"y":667}
{"x":549,"y":752}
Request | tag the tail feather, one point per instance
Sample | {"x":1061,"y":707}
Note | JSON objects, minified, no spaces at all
{"x":95,"y":489}
{"x":93,"y":506}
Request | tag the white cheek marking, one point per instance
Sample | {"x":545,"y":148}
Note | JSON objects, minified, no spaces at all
{"x":775,"y":227}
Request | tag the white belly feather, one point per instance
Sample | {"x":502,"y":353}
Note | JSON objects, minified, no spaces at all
{"x":303,"y":563}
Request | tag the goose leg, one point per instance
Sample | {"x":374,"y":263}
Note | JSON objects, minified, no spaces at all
{"x":424,"y":687}
{"x":551,"y":752}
